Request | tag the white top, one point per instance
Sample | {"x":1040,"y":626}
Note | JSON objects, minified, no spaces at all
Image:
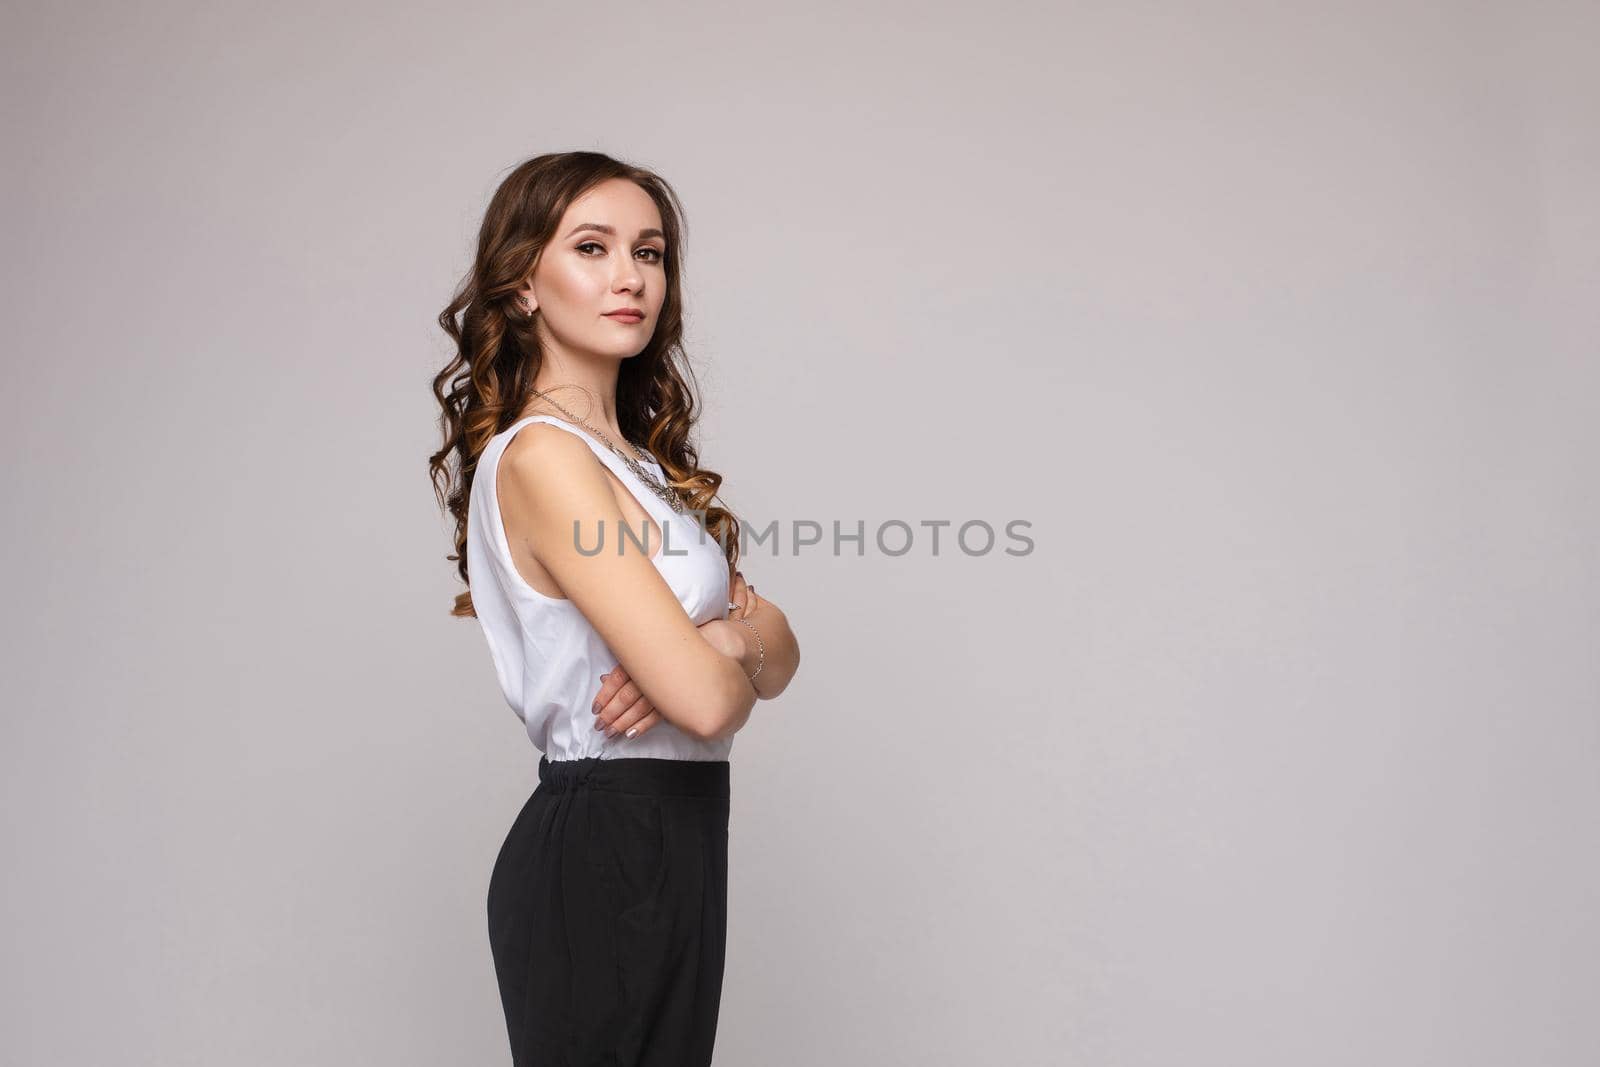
{"x":547,"y":655}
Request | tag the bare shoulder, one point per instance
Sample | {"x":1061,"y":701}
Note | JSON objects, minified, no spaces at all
{"x":544,"y":440}
{"x":542,"y":460}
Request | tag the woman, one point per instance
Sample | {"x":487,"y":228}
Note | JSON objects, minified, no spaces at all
{"x":620,"y":630}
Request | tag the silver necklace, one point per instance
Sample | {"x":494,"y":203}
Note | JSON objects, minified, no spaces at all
{"x":672,"y":499}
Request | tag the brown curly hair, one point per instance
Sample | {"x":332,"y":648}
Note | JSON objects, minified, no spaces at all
{"x":489,"y":379}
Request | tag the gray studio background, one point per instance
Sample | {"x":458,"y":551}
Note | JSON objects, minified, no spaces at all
{"x":1276,"y":322}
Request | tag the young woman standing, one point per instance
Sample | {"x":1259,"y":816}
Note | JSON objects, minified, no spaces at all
{"x":620,"y":630}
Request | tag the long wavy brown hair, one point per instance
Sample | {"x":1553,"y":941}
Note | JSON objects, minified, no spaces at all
{"x":489,"y":380}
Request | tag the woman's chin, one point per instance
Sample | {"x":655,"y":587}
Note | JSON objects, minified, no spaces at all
{"x":623,"y":352}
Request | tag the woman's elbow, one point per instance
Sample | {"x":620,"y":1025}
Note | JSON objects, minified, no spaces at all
{"x":727,"y":708}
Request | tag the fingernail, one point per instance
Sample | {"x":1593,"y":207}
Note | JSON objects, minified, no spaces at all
{"x":594,"y":709}
{"x":599,"y":724}
{"x":633,"y":731}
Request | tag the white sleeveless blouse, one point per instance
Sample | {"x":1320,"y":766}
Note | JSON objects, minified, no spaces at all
{"x":547,"y":656}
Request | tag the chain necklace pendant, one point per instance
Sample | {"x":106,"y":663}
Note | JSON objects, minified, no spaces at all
{"x":672,"y":499}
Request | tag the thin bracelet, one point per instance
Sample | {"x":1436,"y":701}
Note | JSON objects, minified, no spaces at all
{"x":760,"y":645}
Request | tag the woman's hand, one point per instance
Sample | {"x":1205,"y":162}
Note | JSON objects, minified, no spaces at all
{"x":743,"y":597}
{"x":619,"y":707}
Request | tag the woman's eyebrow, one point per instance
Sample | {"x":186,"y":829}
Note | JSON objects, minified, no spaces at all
{"x":612,"y":230}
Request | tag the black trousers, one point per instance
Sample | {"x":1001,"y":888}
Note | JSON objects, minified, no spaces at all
{"x":608,"y":912}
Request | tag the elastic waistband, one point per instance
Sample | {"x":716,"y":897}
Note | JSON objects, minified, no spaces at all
{"x":637,"y":774}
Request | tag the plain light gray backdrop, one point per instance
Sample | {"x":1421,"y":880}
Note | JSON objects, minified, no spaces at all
{"x":1276,"y":321}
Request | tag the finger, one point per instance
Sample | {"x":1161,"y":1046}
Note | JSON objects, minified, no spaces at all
{"x":620,"y":701}
{"x":642,"y":725}
{"x":618,"y":704}
{"x":610,"y":682}
{"x":638,"y":710}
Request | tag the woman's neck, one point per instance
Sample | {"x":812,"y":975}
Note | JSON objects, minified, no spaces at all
{"x":590,"y":402}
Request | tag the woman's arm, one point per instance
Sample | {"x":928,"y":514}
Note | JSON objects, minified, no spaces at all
{"x":552,"y":480}
{"x":623,"y":709}
{"x":777,"y":638}
{"x":782,"y":654}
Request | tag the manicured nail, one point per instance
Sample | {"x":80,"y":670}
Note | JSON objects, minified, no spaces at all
{"x":633,"y":731}
{"x":594,"y":709}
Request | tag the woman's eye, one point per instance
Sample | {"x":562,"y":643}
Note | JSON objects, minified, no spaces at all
{"x":655,"y":253}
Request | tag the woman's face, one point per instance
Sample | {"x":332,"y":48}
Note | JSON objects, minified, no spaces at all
{"x":607,"y":255}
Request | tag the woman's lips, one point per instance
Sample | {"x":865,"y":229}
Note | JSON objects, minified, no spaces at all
{"x":630,"y":317}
